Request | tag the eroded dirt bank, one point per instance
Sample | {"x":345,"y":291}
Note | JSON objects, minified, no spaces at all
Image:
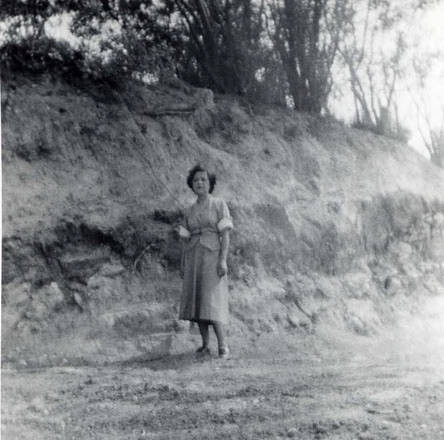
{"x":333,"y":226}
{"x":336,"y":266}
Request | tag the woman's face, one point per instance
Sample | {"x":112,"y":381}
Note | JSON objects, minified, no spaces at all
{"x":201,"y":184}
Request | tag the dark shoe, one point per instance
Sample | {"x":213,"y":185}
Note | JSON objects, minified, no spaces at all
{"x":224,"y":353}
{"x":202,"y":351}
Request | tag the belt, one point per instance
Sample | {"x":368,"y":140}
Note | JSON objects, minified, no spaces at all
{"x":202,"y":231}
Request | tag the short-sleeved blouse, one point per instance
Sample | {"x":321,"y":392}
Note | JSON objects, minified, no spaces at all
{"x":206,"y":221}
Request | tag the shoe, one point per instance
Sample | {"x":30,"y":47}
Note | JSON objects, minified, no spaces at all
{"x":203,"y":350}
{"x":224,"y":352}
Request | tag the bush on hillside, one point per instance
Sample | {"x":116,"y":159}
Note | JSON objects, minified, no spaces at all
{"x":47,"y":55}
{"x":39,"y":56}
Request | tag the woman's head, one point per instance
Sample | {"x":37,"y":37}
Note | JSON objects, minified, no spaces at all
{"x":200,"y":180}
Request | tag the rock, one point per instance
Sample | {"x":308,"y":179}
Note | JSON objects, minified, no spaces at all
{"x":180,"y":326}
{"x":292,"y":432}
{"x":102,"y":291}
{"x":54,"y":296}
{"x":37,"y":405}
{"x":146,"y":320}
{"x":44,"y":301}
{"x":111,"y":269}
{"x":83,"y":265}
{"x":16,"y":294}
{"x":358,"y":326}
{"x":78,"y":299}
{"x":293,"y":320}
{"x":53,"y":397}
{"x":297,"y":319}
{"x":36,"y":311}
{"x":392,"y":285}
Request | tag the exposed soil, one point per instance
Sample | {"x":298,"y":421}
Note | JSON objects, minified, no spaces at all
{"x":333,"y":226}
{"x":328,"y":386}
{"x":339,"y":235}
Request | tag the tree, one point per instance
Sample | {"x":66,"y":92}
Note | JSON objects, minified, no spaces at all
{"x":374,"y":52}
{"x":28,"y":17}
{"x":223,"y":49}
{"x":141,"y":43}
{"x":143,"y":40}
{"x":436,"y":145}
{"x":430,"y":121}
{"x":298,"y":30}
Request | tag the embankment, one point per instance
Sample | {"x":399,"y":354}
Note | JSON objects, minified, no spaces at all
{"x":333,"y":226}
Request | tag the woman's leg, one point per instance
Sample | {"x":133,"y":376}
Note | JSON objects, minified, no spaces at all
{"x":204,"y":333}
{"x":220,"y":334}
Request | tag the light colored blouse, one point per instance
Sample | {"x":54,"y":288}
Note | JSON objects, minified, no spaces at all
{"x":205,"y":222}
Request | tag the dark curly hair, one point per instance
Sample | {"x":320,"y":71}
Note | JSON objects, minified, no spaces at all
{"x":199,"y":168}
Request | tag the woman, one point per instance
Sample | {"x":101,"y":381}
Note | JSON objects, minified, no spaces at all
{"x":206,"y":235}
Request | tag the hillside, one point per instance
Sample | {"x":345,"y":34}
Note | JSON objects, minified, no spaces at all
{"x":335,"y":228}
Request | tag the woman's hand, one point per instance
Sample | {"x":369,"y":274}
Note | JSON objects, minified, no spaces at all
{"x":222,"y":268}
{"x":182,"y":233}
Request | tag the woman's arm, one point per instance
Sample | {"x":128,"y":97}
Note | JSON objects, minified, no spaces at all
{"x":184,"y":235}
{"x":224,"y":244}
{"x":222,"y":268}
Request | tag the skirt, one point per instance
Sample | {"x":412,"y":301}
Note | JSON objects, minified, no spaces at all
{"x":205,"y":293}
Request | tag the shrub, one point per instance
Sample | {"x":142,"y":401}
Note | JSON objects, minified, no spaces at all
{"x":41,"y":55}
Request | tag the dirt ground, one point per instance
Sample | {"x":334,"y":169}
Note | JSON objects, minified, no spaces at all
{"x":323,"y":386}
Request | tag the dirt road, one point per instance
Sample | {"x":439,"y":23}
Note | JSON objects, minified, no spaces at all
{"x":323,"y":386}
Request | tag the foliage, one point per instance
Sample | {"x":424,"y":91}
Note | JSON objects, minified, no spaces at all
{"x":222,"y":43}
{"x":44,"y":55}
{"x":436,"y":146}
{"x":283,"y":52}
{"x":374,"y":53}
{"x":109,"y":40}
{"x":430,"y":121}
{"x":298,"y":30}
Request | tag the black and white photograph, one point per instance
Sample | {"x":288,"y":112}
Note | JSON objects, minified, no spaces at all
{"x":222,"y":219}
